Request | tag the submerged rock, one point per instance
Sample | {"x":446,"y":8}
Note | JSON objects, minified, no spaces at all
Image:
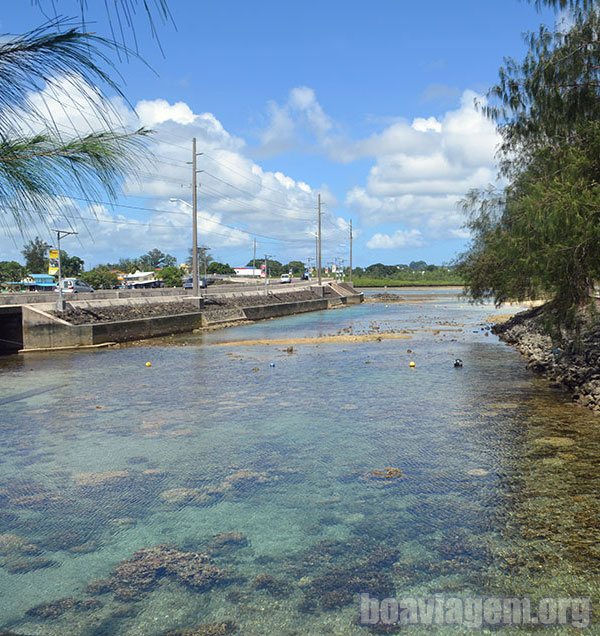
{"x":559,"y":442}
{"x":186,"y":495}
{"x":207,"y":629}
{"x":21,"y":566}
{"x":478,"y":472}
{"x":139,"y":574}
{"x":271,"y":585}
{"x":14,"y":544}
{"x":238,"y":481}
{"x":55,"y":609}
{"x":389,"y":472}
{"x":99,"y":479}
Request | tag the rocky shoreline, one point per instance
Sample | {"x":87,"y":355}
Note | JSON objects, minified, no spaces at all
{"x":569,"y":358}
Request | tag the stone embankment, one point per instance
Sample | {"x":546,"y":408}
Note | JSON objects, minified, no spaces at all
{"x":569,"y":358}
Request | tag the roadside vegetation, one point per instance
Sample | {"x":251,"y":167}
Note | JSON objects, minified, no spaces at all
{"x":539,"y":236}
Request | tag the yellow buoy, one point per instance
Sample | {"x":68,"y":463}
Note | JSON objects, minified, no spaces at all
{"x":148,"y":364}
{"x":412,"y":363}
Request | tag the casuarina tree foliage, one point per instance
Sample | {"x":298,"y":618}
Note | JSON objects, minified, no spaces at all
{"x":540,"y":235}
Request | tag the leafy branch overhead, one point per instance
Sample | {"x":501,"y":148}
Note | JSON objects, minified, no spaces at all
{"x":121,"y":15}
{"x":39,"y":161}
{"x":33,"y":61}
{"x":35,"y":171}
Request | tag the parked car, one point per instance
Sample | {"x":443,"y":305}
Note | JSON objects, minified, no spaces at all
{"x":285,"y":278}
{"x":188,"y":283}
{"x":74,"y":286}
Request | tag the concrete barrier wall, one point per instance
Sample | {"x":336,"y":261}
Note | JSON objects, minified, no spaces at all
{"x":42,"y":331}
{"x":31,"y":298}
{"x":141,"y":328}
{"x":89,"y":303}
{"x":284,"y":309}
{"x":159,"y":294}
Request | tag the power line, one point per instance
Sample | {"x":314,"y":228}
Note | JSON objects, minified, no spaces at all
{"x":217,"y":194}
{"x":180,"y":213}
{"x":258,"y":183}
{"x":276,"y":203}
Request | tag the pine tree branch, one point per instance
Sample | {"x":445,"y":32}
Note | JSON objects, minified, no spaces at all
{"x":35,"y":172}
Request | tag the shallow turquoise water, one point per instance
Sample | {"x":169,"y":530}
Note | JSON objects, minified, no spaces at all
{"x":115,"y":457}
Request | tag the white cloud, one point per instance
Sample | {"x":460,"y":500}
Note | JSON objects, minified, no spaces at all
{"x":422,"y":170}
{"x":158,"y":111}
{"x":425,"y":125}
{"x":300,"y":120}
{"x":399,"y":239}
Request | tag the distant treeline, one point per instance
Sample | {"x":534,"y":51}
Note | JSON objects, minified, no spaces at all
{"x":415,"y":273}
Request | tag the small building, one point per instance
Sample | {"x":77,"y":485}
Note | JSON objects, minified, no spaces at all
{"x":248,"y":272}
{"x":140,"y":280}
{"x":33,"y":282}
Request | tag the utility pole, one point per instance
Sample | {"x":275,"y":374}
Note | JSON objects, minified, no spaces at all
{"x":350,"y":276}
{"x":61,"y":303}
{"x":266,"y":272}
{"x":254,"y":259}
{"x":319,"y":238}
{"x":195,"y":282}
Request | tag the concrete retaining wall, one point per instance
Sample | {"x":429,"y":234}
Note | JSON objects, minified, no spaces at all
{"x":158,"y":294}
{"x":44,"y":331}
{"x":262,"y":312}
{"x":141,"y":328}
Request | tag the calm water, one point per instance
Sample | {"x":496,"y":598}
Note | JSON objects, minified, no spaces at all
{"x":101,"y":456}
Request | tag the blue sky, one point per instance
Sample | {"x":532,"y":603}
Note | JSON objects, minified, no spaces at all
{"x":370,"y":104}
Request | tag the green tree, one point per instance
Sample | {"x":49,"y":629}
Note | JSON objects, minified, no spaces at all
{"x":128,"y":265}
{"x":101,"y":277}
{"x":204,"y":258}
{"x":35,"y":253}
{"x":379,"y":270}
{"x":540,"y":235}
{"x":172,"y":276}
{"x":275,"y":267}
{"x":155,"y":259}
{"x":296,"y":267}
{"x":70,"y":266}
{"x":220,"y":268}
{"x":11,"y":271}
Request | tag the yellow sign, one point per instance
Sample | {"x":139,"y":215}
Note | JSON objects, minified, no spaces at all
{"x":52,"y":262}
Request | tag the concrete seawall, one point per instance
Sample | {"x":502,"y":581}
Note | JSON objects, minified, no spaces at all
{"x":41,"y":329}
{"x":263,"y":312}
